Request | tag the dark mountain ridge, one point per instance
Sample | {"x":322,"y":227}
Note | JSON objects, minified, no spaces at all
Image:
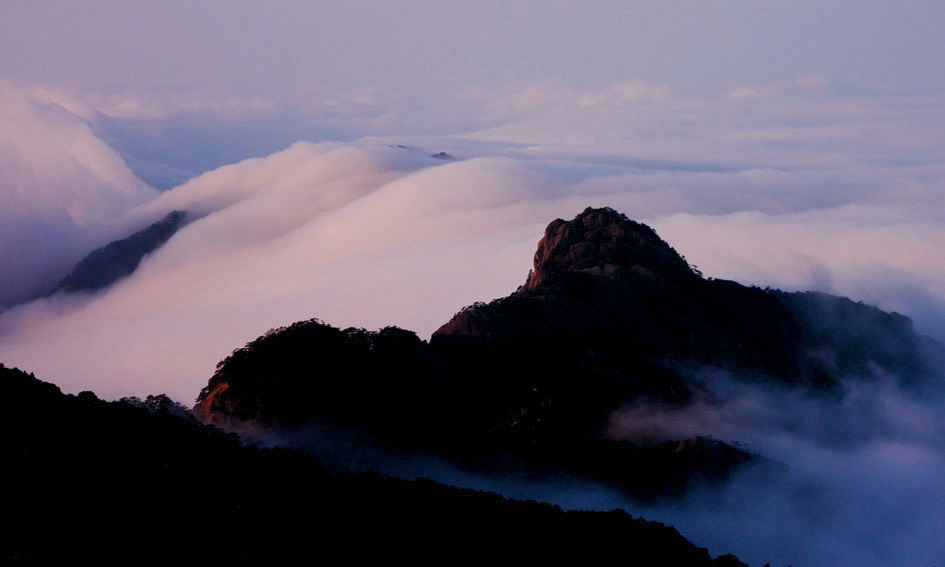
{"x":610,"y":315}
{"x":88,"y":478}
{"x":104,"y":266}
{"x":115,"y":261}
{"x":607,"y":277}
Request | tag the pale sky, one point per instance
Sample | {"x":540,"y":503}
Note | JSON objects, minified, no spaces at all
{"x":287,"y":50}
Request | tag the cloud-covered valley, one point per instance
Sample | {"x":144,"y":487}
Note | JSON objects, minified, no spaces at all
{"x":802,"y":191}
{"x":797,"y":186}
{"x":60,"y":185}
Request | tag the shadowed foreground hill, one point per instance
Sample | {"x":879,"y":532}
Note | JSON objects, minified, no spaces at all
{"x":95,"y":479}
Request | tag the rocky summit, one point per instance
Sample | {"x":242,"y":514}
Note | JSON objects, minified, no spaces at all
{"x":614,"y":285}
{"x":601,"y":243}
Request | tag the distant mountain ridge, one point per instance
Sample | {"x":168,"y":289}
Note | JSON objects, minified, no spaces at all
{"x":104,"y":266}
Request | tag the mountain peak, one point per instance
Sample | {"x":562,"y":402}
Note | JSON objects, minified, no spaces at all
{"x":602,"y":242}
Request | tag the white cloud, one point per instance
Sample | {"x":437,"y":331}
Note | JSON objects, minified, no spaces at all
{"x":624,"y":93}
{"x":857,"y":479}
{"x":59,"y":184}
{"x":367,"y":234}
{"x":150,"y":106}
{"x":358,"y":236}
{"x":810,"y":84}
{"x":843,"y":194}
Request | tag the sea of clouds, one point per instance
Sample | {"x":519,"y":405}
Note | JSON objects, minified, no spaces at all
{"x":797,"y":185}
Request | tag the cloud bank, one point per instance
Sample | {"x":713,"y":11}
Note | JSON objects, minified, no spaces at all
{"x":857,"y":479}
{"x":795,"y":193}
{"x":798,"y":186}
{"x":59,"y":185}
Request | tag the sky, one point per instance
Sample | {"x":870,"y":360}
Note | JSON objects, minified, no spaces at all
{"x":296,"y":48}
{"x":794,"y":144}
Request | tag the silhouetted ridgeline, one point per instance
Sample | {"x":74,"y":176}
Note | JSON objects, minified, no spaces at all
{"x":607,"y":288}
{"x":396,"y":389}
{"x":610,"y":316}
{"x":92,"y":479}
{"x":108,"y":264}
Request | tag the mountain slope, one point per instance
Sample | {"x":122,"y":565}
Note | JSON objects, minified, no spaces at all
{"x":610,"y":316}
{"x":119,"y":259}
{"x":607,"y":282}
{"x":88,"y":478}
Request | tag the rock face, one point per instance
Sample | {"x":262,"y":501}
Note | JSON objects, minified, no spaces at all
{"x":595,"y":272}
{"x":611,"y":315}
{"x":605,"y":244}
